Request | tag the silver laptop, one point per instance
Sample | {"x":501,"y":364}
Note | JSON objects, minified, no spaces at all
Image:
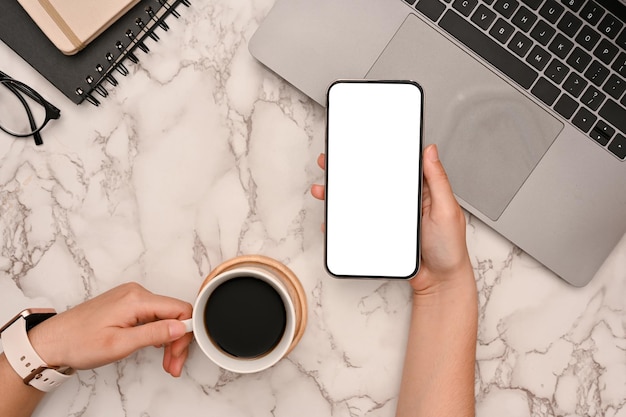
{"x":525,"y":99}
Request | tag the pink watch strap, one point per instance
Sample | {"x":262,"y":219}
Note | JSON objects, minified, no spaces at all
{"x":25,"y":360}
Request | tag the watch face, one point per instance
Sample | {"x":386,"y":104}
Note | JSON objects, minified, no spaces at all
{"x":36,"y":318}
{"x":32,"y":316}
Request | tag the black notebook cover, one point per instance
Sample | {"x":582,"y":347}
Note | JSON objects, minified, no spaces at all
{"x":80,"y":77}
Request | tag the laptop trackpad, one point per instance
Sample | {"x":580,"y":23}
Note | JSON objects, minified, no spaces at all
{"x":490,"y":136}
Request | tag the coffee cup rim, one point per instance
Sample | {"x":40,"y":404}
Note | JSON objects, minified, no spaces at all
{"x":276,"y":268}
{"x":223,"y":359}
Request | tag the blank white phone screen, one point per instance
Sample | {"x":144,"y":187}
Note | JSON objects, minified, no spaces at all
{"x":373,"y":179}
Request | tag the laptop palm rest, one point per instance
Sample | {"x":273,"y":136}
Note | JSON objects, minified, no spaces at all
{"x":490,"y":136}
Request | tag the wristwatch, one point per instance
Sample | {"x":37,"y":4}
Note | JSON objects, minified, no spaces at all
{"x":22,"y":356}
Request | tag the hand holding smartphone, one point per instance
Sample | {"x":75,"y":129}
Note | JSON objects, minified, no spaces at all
{"x":373,"y":179}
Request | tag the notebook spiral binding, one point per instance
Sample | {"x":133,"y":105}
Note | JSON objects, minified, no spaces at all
{"x":134,"y":38}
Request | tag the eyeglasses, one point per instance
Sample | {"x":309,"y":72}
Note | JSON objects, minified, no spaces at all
{"x":23,"y":111}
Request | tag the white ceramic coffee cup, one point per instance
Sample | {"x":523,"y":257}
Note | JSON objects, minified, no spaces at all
{"x":271,"y":272}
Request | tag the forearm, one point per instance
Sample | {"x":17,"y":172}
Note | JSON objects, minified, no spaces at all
{"x":438,"y":377}
{"x":16,"y":398}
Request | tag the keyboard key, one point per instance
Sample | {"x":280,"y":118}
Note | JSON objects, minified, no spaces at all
{"x":597,"y":73}
{"x":432,"y":9}
{"x":592,"y":12}
{"x":533,"y":4}
{"x":599,"y":137}
{"x":483,"y":17}
{"x":520,"y":44}
{"x":484,"y":46}
{"x":566,"y":106}
{"x":524,"y":19}
{"x":506,"y":7}
{"x":574,"y":84}
{"x":575,"y":5}
{"x":545,"y":91}
{"x":410,"y":2}
{"x":614,"y":86}
{"x":614,"y":114}
{"x":602,"y":132}
{"x":588,"y":38}
{"x":569,"y":24}
{"x":502,"y":30}
{"x":584,"y":119}
{"x":551,"y":11}
{"x":618,"y":146}
{"x":556,"y":71}
{"x":542,"y":32}
{"x":561,"y":46}
{"x":605,"y":51}
{"x":465,"y":7}
{"x":538,"y":57}
{"x":579,"y":59}
{"x":610,"y":26}
{"x":620,"y":64}
{"x":604,"y":128}
{"x":592,"y":98}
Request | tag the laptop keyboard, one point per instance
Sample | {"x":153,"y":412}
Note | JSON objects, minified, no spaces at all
{"x":570,"y":54}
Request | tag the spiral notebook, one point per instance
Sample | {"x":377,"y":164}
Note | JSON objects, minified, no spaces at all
{"x":88,"y":74}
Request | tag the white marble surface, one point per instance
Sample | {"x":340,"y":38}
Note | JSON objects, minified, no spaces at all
{"x":201,"y":155}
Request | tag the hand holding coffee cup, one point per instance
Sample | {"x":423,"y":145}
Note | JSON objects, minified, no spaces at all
{"x":250,"y":313}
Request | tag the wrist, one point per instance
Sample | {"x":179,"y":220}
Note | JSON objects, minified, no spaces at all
{"x":43,"y":340}
{"x":455,"y":303}
{"x":443,"y":288}
{"x":451,"y":313}
{"x":25,"y":360}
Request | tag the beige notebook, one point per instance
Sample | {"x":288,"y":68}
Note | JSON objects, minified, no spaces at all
{"x":72,"y":24}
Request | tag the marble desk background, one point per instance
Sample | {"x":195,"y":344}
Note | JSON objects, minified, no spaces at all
{"x":201,"y":155}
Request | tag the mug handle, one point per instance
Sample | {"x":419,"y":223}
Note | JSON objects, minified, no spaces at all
{"x":188,"y":325}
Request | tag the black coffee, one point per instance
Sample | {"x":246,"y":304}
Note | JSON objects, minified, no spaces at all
{"x":245,"y":317}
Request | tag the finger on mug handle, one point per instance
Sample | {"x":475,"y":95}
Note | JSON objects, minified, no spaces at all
{"x":188,"y":325}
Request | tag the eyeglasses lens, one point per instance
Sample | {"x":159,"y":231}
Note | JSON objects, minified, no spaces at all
{"x":14,"y":116}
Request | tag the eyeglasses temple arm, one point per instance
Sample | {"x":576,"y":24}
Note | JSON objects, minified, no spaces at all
{"x":31,"y":119}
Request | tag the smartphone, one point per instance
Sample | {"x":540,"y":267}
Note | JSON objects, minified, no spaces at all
{"x":373,"y":179}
